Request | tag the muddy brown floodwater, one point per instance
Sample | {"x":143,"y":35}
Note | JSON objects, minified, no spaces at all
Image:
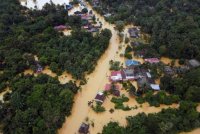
{"x":96,"y":82}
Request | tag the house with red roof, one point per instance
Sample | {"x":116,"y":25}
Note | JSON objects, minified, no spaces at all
{"x":116,"y":76}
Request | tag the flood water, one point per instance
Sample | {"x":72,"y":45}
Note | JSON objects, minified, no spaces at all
{"x":96,"y":82}
{"x":40,"y":3}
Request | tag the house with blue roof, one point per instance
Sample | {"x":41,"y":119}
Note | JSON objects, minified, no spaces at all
{"x":132,"y":63}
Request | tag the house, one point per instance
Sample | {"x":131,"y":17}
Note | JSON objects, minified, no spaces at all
{"x":132,"y":63}
{"x":128,"y":74}
{"x":135,"y":44}
{"x":107,"y":15}
{"x":155,"y":87}
{"x":134,"y":32}
{"x":141,"y":82}
{"x":140,"y":53}
{"x":69,"y":7}
{"x":60,"y":27}
{"x":116,"y":76}
{"x":152,"y":60}
{"x":100,"y":97}
{"x":114,"y":91}
{"x":109,"y":86}
{"x":39,"y":68}
{"x":168,"y":70}
{"x":84,"y":128}
{"x":193,"y":63}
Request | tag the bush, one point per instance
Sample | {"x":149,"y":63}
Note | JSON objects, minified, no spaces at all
{"x":98,"y":108}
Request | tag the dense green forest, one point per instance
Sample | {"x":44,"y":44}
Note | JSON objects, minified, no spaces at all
{"x":25,"y":33}
{"x":168,"y":121}
{"x":40,"y":104}
{"x":36,"y":105}
{"x":174,"y":26}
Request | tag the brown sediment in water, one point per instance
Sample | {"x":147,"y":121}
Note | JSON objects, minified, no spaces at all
{"x":96,"y":82}
{"x":195,"y":131}
{"x":168,"y":61}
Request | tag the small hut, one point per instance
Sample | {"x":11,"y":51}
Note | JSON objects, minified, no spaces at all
{"x":84,"y":128}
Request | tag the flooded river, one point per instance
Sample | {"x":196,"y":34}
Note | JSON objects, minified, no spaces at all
{"x":96,"y":82}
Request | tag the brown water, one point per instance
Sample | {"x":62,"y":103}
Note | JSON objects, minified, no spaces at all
{"x":168,"y":61}
{"x":96,"y":82}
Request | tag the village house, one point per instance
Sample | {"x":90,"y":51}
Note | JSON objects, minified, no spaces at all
{"x":100,"y":97}
{"x":128,"y":74}
{"x":135,"y":44}
{"x":168,"y":70}
{"x":193,"y":63}
{"x":84,"y":128}
{"x":155,"y":87}
{"x":132,"y":63}
{"x":116,"y":76}
{"x":152,"y":60}
{"x":140,"y":53}
{"x":115,"y":91}
{"x":134,"y":32}
{"x":39,"y":68}
{"x":60,"y":28}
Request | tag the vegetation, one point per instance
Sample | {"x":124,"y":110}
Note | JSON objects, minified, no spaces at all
{"x":98,"y":108}
{"x":36,"y":105}
{"x":176,"y":36}
{"x":26,"y":33}
{"x":159,"y":98}
{"x":167,"y":121}
{"x":114,"y":65}
{"x":119,"y":102}
{"x":187,"y":87}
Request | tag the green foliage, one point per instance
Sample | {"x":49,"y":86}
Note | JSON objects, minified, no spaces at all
{"x":159,"y":98}
{"x":176,"y":36}
{"x":38,"y":104}
{"x":167,"y":121}
{"x":187,"y":87}
{"x":98,"y":108}
{"x":112,"y":128}
{"x":119,"y":103}
{"x":114,"y":65}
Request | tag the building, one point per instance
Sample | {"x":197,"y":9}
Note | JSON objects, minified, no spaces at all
{"x":155,"y":87}
{"x":168,"y":70}
{"x":135,"y":44}
{"x":152,"y":60}
{"x":116,"y":76}
{"x":132,"y":63}
{"x":84,"y":128}
{"x":128,"y":74}
{"x":100,"y":97}
{"x":193,"y":63}
{"x":134,"y":32}
{"x":60,"y":27}
{"x":115,"y":91}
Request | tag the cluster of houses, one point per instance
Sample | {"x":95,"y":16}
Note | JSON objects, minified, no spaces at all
{"x":88,"y":21}
{"x":132,"y":72}
{"x":142,"y":76}
{"x":134,"y":32}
